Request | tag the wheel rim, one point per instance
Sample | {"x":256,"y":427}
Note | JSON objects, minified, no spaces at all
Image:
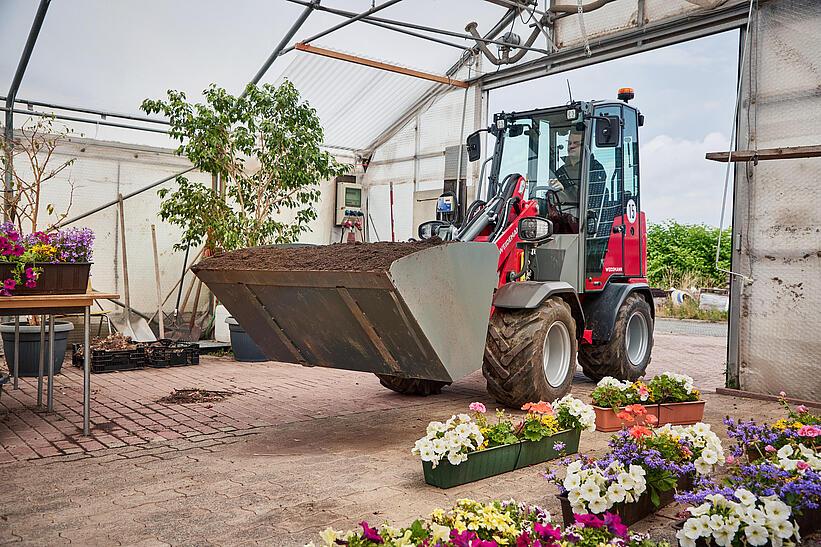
{"x":556,"y":354}
{"x":637,"y":338}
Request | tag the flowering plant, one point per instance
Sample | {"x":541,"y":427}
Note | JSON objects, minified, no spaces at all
{"x":594,"y":486}
{"x":667,"y":387}
{"x":473,"y":524}
{"x":762,"y":440}
{"x":574,"y":414}
{"x":743,"y":519}
{"x":463,"y":433}
{"x":69,"y":245}
{"x":452,"y":439}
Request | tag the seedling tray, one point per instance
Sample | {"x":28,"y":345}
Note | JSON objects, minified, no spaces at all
{"x":110,"y":360}
{"x":167,"y":353}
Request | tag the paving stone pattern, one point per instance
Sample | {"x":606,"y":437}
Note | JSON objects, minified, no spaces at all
{"x":292,"y":451}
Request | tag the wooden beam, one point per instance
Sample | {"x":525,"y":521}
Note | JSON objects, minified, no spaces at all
{"x":381,"y":66}
{"x":786,"y":153}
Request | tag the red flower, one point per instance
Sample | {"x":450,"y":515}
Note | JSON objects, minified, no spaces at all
{"x":370,"y":533}
{"x":636,"y":409}
{"x":639,"y":431}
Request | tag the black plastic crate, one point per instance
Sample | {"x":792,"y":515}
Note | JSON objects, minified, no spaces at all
{"x":167,"y":353}
{"x":110,"y":360}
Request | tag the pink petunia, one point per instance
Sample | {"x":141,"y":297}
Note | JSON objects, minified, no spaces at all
{"x":802,"y":409}
{"x":730,"y":459}
{"x":802,"y":465}
{"x":30,"y":283}
{"x":370,"y":533}
{"x":769,"y":449}
{"x":810,"y":431}
{"x":478,"y":407}
{"x":9,"y":284}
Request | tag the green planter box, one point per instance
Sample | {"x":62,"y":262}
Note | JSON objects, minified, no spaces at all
{"x":500,"y":459}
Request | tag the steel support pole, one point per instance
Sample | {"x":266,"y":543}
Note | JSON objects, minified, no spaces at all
{"x":284,"y":42}
{"x":50,"y":391}
{"x":347,"y":22}
{"x":36,"y":25}
{"x":86,"y":369}
{"x":16,"y":350}
{"x":42,"y":361}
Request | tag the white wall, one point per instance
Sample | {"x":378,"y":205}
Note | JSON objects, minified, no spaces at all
{"x":104,"y":169}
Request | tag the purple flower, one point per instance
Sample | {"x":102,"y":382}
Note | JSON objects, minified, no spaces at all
{"x":614,"y":524}
{"x":558,"y":446}
{"x":545,"y":531}
{"x":9,"y":284}
{"x":370,"y":533}
{"x":588,"y":520}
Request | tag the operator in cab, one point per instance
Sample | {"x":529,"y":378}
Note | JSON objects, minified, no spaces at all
{"x":567,"y":184}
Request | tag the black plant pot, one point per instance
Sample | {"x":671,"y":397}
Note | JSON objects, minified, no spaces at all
{"x":244,"y":348}
{"x":30,"y":346}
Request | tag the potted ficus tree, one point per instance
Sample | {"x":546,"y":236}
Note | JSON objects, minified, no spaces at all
{"x":264,"y":148}
{"x":35,"y":258}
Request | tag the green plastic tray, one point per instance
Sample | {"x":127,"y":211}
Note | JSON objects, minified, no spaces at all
{"x":500,"y":459}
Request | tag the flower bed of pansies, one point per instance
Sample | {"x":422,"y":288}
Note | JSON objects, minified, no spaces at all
{"x":670,"y":397}
{"x":26,"y":254}
{"x":473,"y":524}
{"x":772,"y":489}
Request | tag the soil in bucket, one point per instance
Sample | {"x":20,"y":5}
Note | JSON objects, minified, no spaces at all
{"x":357,"y":257}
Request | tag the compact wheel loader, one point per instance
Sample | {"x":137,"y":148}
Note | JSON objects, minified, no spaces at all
{"x":549,"y":267}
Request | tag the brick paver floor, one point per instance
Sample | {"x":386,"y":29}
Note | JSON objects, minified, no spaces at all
{"x":290,"y":451}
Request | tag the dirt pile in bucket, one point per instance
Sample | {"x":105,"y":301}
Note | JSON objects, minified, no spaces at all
{"x":357,"y":257}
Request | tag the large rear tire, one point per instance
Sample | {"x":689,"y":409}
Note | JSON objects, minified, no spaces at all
{"x":412,"y":386}
{"x":628,"y":352}
{"x":530,"y":355}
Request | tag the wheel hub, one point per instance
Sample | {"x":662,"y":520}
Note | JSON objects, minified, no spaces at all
{"x":636,"y":339}
{"x":556,"y":354}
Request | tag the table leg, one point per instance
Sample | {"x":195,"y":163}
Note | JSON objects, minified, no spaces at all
{"x":16,"y":350}
{"x":42,"y":359}
{"x":50,"y":394}
{"x":86,"y":370}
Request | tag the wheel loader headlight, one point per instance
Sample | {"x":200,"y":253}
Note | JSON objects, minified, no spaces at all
{"x":535,"y":229}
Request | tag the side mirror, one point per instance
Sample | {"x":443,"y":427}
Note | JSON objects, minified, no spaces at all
{"x":608,"y":131}
{"x":535,"y":229}
{"x":430,"y":229}
{"x":474,"y":146}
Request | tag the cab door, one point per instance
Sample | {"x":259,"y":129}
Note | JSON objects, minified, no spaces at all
{"x":632,"y":219}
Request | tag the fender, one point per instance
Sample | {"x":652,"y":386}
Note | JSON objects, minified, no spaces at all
{"x":600,"y":308}
{"x":528,"y":295}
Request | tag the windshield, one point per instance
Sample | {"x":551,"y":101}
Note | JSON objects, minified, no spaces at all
{"x":544,"y":148}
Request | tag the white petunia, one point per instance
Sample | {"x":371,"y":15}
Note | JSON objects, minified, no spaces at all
{"x":574,"y":466}
{"x":615,"y":493}
{"x":776,"y":510}
{"x":745,"y":496}
{"x":701,"y":428}
{"x":637,"y":472}
{"x":716,"y":523}
{"x":426,"y":454}
{"x":456,"y":458}
{"x":756,"y":534}
{"x":685,"y":541}
{"x":723,"y":539}
{"x":694,"y":528}
{"x":709,"y":456}
{"x":598,"y":505}
{"x":783,"y":529}
{"x":589,"y":490}
{"x":785,"y":451}
{"x":575,"y":497}
{"x":702,"y":509}
{"x":571,"y":481}
{"x":756,"y":516}
{"x":626,"y":480}
{"x":702,"y":467}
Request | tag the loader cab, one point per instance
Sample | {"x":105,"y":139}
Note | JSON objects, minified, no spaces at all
{"x":581,"y":164}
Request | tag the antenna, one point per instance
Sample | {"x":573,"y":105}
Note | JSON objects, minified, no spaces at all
{"x":569,"y":92}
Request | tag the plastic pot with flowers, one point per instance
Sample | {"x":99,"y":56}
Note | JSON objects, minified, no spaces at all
{"x":467,"y":448}
{"x":640,"y":473}
{"x":498,"y":523}
{"x":670,"y":397}
{"x":58,"y":262}
{"x":787,"y":467}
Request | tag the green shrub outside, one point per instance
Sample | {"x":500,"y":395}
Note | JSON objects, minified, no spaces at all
{"x":683,"y":255}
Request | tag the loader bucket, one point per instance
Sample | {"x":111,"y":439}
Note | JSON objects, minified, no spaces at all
{"x":424,"y":317}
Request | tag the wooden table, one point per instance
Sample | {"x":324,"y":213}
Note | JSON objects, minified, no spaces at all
{"x":51,"y":304}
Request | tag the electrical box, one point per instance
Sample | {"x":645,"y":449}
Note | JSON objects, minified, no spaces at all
{"x":348,"y":198}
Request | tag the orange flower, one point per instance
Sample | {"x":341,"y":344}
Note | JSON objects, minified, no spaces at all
{"x":650,"y":419}
{"x":539,"y":408}
{"x":625,"y":416}
{"x":636,"y":409}
{"x":639,"y":431}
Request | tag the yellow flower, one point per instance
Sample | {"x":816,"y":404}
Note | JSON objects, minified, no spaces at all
{"x":797,"y":425}
{"x":329,"y":536}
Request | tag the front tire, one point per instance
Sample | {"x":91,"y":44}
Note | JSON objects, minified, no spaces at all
{"x":530,"y":355}
{"x":412,"y":386}
{"x":627,"y":354}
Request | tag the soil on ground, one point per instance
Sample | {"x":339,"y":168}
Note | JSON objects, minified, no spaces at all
{"x":185,"y":396}
{"x":357,"y":257}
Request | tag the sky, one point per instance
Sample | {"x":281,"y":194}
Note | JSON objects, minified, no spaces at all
{"x":106,"y":54}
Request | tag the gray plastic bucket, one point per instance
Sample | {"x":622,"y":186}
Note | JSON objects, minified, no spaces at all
{"x":30,"y":346}
{"x":243,"y":346}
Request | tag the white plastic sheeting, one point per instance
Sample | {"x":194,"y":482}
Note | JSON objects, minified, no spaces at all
{"x":778,"y":206}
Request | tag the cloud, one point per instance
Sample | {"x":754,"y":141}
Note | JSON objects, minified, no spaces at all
{"x":679,"y":183}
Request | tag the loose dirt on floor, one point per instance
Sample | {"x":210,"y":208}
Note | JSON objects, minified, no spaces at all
{"x":188,"y":396}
